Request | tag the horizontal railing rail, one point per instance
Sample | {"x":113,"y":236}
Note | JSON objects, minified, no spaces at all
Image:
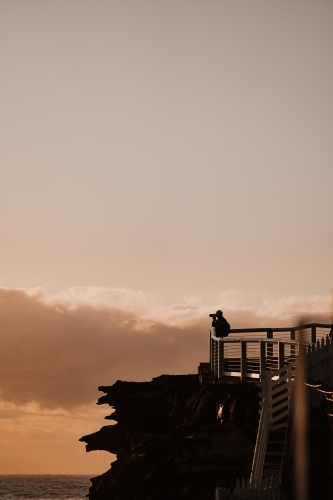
{"x":310,"y":332}
{"x":282,"y":329}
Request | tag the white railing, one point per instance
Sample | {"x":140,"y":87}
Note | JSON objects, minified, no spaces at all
{"x":249,"y":356}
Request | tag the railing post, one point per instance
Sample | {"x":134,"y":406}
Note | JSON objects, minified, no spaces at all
{"x":220,"y":368}
{"x":211,"y":352}
{"x":263,"y":385}
{"x":313,"y":334}
{"x":214,"y":356}
{"x":215,"y":347}
{"x":262,"y":354}
{"x":292,"y":347}
{"x":270,"y":346}
{"x":281,"y":355}
{"x":243,"y":359}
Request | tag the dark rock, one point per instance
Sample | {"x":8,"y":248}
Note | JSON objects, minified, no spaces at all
{"x":175,"y":438}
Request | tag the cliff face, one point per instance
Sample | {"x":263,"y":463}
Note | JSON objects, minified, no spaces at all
{"x":175,"y":438}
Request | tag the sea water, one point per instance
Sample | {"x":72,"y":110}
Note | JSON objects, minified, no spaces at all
{"x":44,"y":487}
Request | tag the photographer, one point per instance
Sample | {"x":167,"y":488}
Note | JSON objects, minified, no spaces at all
{"x":221,"y":325}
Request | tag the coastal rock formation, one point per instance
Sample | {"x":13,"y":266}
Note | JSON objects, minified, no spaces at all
{"x":175,"y":438}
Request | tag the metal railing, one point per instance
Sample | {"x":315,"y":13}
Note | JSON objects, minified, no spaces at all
{"x":270,"y":349}
{"x":309,"y":333}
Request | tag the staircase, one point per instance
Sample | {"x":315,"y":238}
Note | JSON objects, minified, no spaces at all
{"x":274,"y":454}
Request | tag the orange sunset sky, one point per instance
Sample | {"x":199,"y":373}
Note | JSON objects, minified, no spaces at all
{"x":159,"y":159}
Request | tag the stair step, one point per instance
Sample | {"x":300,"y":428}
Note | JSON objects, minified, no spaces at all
{"x":273,"y":456}
{"x":277,"y":435}
{"x":275,"y":446}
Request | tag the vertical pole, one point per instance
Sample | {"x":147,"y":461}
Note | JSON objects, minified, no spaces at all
{"x":214,"y":352}
{"x":262,"y":354}
{"x":300,"y":429}
{"x":281,"y":355}
{"x":211,"y":352}
{"x":270,"y":346}
{"x":330,"y":364}
{"x":292,"y":347}
{"x":243,"y":359}
{"x":313,"y":334}
{"x":220,"y":372}
{"x":264,"y":386}
{"x":215,"y":357}
{"x":216,"y":364}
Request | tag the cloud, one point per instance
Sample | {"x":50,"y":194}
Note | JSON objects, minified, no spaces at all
{"x":55,"y":350}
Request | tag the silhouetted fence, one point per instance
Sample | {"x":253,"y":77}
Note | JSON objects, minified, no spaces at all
{"x":244,"y":490}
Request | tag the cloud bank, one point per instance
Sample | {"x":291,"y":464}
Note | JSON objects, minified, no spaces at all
{"x":57,"y":349}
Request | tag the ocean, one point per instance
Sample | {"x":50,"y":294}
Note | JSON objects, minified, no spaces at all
{"x":44,"y":487}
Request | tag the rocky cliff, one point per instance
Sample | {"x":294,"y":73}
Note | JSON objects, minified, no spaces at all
{"x":175,"y":437}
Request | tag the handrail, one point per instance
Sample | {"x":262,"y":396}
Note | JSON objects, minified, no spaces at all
{"x":258,"y":339}
{"x":281,"y":329}
{"x":261,"y":443}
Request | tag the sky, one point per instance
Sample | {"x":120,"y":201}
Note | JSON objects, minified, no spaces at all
{"x":159,"y":160}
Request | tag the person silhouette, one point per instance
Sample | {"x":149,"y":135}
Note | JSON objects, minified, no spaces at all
{"x":221,"y":325}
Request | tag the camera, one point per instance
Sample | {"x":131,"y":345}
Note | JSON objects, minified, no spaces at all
{"x":212,"y":315}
